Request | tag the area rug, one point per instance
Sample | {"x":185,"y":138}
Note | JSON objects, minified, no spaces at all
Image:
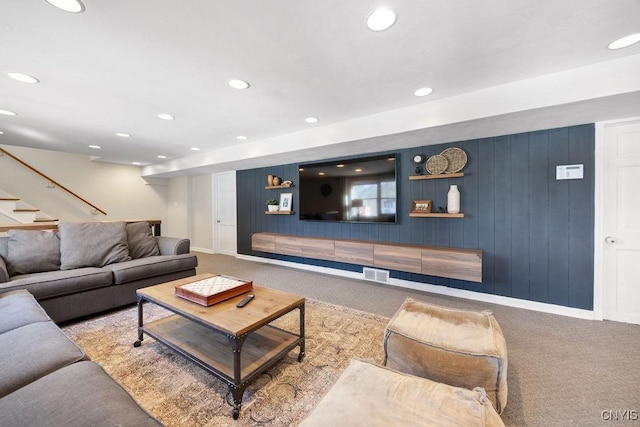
{"x":179,"y":393}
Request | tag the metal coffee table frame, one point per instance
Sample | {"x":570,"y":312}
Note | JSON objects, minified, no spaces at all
{"x":219,"y":351}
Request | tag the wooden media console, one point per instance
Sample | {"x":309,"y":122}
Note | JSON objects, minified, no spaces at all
{"x":453,"y":263}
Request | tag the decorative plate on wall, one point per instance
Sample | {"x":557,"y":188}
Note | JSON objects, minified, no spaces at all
{"x":437,"y":164}
{"x":456,"y":159}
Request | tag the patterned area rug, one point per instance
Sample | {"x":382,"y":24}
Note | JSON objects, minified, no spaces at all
{"x":179,"y":393}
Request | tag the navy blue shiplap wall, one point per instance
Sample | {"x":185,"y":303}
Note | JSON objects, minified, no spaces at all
{"x":536,"y":233}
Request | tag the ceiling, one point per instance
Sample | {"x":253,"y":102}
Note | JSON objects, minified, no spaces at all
{"x":116,"y":66}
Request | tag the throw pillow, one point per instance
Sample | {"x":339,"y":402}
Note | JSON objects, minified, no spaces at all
{"x":142,"y":244}
{"x":92,"y":244}
{"x":32,"y":251}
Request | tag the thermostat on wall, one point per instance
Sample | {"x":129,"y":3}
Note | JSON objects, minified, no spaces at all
{"x":569,"y":172}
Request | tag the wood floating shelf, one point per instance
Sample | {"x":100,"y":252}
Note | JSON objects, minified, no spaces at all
{"x":438,"y":176}
{"x":276,"y":187}
{"x":453,"y":263}
{"x":436,"y":215}
{"x":278,"y":212}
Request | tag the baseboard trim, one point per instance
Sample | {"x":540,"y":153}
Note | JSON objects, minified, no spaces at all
{"x":204,"y":250}
{"x":438,"y":289}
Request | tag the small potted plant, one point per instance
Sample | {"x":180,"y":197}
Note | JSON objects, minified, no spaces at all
{"x":272,"y":205}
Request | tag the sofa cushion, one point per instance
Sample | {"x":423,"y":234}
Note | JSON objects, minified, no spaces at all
{"x":78,"y":395}
{"x":19,"y":308}
{"x":61,"y":282}
{"x":92,"y":244}
{"x":371,"y":395}
{"x":143,"y":268}
{"x":33,"y":351}
{"x":140,"y":240}
{"x":32,"y":251}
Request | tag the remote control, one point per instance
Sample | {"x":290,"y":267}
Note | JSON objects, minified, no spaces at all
{"x":245,"y":301}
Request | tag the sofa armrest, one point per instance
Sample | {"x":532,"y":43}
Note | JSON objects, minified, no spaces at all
{"x":173,"y":245}
{"x":4,"y":274}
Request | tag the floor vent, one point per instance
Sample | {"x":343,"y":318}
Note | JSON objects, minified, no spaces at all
{"x":374,"y":275}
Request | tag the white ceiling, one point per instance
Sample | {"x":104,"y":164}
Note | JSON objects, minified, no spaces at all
{"x":116,"y":66}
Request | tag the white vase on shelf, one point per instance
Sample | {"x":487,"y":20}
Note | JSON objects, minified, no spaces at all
{"x":453,"y":200}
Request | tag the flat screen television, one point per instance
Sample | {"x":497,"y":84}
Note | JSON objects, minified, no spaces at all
{"x":349,"y":190}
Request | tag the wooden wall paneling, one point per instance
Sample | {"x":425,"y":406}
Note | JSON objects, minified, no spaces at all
{"x":469,"y":224}
{"x":486,"y":211}
{"x":567,"y":261}
{"x":539,"y":178}
{"x":558,"y":219}
{"x":397,"y":258}
{"x":581,"y":218}
{"x":457,"y":265}
{"x":502,"y":211}
{"x":354,"y":252}
{"x":520,"y":216}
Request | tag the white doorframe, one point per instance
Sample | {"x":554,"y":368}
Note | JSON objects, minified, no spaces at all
{"x":216,"y":200}
{"x":598,"y":234}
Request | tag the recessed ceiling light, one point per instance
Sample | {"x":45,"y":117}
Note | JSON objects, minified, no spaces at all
{"x":24,"y":78}
{"x":311,"y":120}
{"x":340,"y":166}
{"x":165,"y":116}
{"x":321,"y":173}
{"x":162,"y":157}
{"x":238,"y":84}
{"x":424,"y":91}
{"x":625,"y":41}
{"x":195,"y":149}
{"x":74,"y":6}
{"x":381,"y":19}
{"x":7,"y":113}
{"x":1,"y":133}
{"x":94,"y":146}
{"x":358,"y":170}
{"x":123,"y":135}
{"x":136,"y":163}
{"x":241,"y":137}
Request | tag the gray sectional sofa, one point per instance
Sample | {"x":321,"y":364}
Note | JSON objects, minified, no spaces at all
{"x":85,"y":268}
{"x":47,"y":380}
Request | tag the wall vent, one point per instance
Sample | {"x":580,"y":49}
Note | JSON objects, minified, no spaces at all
{"x":375,"y":275}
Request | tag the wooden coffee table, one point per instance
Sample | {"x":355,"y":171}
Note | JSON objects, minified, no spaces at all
{"x":234,"y":344}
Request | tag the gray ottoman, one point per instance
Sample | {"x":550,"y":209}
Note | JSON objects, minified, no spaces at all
{"x":456,"y":347}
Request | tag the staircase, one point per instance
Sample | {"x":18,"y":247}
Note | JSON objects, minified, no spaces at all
{"x":20,"y":212}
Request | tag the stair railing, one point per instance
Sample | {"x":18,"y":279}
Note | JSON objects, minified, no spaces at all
{"x":51,"y":180}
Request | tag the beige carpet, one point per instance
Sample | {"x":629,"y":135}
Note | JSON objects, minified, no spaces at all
{"x":180,"y":393}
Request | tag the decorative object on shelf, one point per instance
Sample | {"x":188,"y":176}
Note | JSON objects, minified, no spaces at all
{"x":456,"y":159}
{"x":418,"y":160}
{"x":270,"y":180}
{"x":453,"y":199}
{"x":272,"y":205}
{"x":285,"y":202}
{"x":437,"y":164}
{"x":421,"y":206}
{"x":286,"y":183}
{"x":276,"y":181}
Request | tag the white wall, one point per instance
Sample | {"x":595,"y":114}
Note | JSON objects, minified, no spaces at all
{"x":118,"y":190}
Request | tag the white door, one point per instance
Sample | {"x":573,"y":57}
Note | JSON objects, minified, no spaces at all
{"x":225,"y":237}
{"x":621,"y":222}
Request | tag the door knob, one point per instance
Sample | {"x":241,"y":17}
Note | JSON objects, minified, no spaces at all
{"x":610,"y":240}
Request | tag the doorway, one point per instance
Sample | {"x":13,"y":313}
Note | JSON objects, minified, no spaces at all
{"x":618,"y":236}
{"x":225,"y":226}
